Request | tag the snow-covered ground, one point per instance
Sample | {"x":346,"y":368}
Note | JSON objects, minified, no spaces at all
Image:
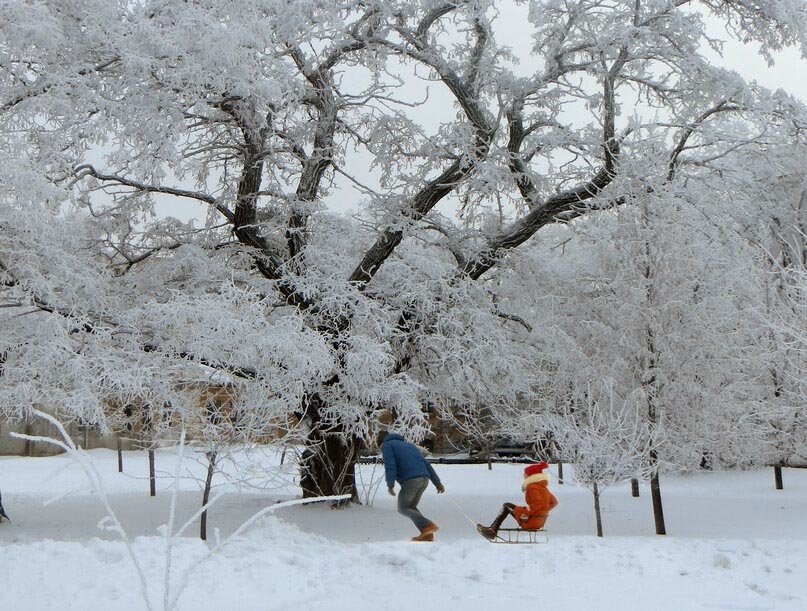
{"x":734,"y":543}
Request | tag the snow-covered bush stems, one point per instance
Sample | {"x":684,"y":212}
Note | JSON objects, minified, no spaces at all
{"x":111,"y":521}
{"x":173,"y":585}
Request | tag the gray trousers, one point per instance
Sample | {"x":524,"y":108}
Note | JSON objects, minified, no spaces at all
{"x":408,"y":499}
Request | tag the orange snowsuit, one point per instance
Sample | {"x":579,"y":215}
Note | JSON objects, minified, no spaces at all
{"x":540,"y":501}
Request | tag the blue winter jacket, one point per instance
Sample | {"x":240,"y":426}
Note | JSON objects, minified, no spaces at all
{"x":403,"y":461}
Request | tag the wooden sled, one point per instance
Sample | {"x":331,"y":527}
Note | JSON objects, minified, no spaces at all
{"x":521,"y":536}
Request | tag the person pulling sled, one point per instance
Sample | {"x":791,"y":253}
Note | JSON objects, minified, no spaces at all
{"x":539,"y":502}
{"x":404,"y":463}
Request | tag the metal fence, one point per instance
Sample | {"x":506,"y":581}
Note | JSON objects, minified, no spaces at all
{"x":452,"y":460}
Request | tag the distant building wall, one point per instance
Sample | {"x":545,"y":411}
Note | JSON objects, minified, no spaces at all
{"x":214,"y":403}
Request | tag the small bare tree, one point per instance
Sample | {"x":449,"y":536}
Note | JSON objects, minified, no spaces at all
{"x":607,"y":439}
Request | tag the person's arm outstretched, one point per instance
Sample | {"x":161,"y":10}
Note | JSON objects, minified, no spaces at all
{"x":434,"y":477}
{"x":390,"y":466}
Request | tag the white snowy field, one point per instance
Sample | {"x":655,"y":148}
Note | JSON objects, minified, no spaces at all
{"x":734,"y":543}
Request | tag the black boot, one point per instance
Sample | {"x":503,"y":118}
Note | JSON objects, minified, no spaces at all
{"x":490,"y":532}
{"x":497,"y":523}
{"x":486,"y":531}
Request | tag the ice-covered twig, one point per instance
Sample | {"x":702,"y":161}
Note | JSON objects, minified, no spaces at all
{"x":169,"y":536}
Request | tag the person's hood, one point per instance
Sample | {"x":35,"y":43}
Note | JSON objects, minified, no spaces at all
{"x":538,"y":478}
{"x":392,"y":437}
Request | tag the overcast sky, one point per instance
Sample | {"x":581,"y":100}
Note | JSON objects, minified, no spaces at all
{"x":789,"y":73}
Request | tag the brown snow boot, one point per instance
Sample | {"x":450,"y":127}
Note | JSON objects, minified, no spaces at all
{"x":427,"y":532}
{"x":429,"y":529}
{"x":424,"y":538}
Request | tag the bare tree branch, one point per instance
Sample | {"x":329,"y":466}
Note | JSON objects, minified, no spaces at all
{"x":88,"y":170}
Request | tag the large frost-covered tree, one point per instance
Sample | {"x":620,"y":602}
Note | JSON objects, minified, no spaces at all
{"x":266,"y":113}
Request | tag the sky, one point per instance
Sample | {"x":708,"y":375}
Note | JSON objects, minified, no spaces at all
{"x":789,"y":73}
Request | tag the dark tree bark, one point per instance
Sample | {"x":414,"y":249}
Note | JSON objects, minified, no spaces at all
{"x":120,"y":457}
{"x":152,"y":478}
{"x":29,"y":447}
{"x":211,"y":467}
{"x":328,"y":464}
{"x":555,"y":455}
{"x":655,"y":493}
{"x":597,"y":513}
{"x":634,"y":487}
{"x":777,"y":475}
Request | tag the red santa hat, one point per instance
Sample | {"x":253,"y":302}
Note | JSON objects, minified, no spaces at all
{"x":533,"y":469}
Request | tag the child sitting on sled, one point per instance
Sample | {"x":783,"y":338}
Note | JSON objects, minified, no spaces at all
{"x":540,"y":501}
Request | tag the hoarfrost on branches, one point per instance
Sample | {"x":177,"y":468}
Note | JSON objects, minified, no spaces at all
{"x":457,"y":148}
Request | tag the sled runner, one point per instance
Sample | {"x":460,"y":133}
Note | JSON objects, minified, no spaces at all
{"x":520,"y":536}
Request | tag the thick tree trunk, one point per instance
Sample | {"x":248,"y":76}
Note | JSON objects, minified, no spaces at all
{"x":597,"y":513}
{"x":211,"y":467}
{"x":120,"y":457}
{"x":560,"y":472}
{"x":777,"y":476}
{"x":328,"y":464}
{"x":634,"y":487}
